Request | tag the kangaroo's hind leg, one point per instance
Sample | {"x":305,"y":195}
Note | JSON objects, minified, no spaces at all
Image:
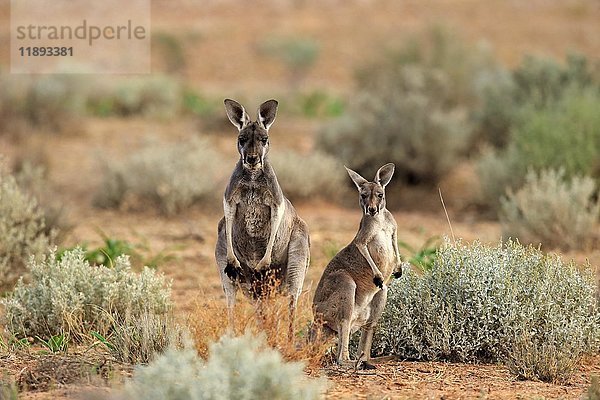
{"x":229,"y":287}
{"x":298,"y":260}
{"x":366,"y":337}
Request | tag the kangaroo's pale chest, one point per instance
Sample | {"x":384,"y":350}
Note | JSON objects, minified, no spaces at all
{"x":381,"y":246}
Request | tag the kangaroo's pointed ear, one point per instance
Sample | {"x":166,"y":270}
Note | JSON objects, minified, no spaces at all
{"x":356,"y":178}
{"x":384,"y":174}
{"x":236,"y":113}
{"x":267,"y":113}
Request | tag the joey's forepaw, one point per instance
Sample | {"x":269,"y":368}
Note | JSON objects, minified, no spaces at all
{"x":378,"y":281}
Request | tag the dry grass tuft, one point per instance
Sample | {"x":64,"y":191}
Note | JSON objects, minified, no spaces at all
{"x":270,"y":318}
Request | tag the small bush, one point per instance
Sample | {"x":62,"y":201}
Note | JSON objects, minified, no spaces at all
{"x":48,"y":102}
{"x":72,"y":297}
{"x":137,"y":339}
{"x":408,"y":127}
{"x":544,"y":81}
{"x":170,"y":176}
{"x":33,"y":179}
{"x":565,"y":134}
{"x":536,"y":83}
{"x":506,"y":303}
{"x":237,"y":368}
{"x":413,"y":109}
{"x":306,"y":177}
{"x":552,"y":211}
{"x":22,"y":229}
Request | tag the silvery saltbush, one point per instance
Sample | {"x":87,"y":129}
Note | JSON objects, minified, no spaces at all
{"x":505,"y":303}
{"x":71,"y":296}
{"x":237,"y":368}
{"x":552,"y":210}
{"x":22,"y":230}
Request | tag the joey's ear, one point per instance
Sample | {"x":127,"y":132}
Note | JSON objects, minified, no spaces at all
{"x":236,"y":113}
{"x":267,"y":113}
{"x":356,"y":178}
{"x":384,"y":174}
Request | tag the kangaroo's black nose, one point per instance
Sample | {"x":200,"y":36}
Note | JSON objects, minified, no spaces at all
{"x":372,"y":209}
{"x":252,"y":160}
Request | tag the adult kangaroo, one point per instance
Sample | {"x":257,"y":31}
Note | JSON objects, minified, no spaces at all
{"x":261,"y":240}
{"x":352,"y":293}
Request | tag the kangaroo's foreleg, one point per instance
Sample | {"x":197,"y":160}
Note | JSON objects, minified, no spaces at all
{"x":398,"y":270}
{"x":277,"y":212}
{"x":377,"y":275}
{"x":233,"y":264}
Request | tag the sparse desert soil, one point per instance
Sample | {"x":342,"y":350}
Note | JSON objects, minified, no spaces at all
{"x":220,"y":40}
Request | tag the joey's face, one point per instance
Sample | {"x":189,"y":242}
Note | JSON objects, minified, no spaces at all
{"x":371,"y":198}
{"x":253,"y":146}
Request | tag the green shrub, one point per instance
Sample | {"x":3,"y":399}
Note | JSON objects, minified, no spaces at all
{"x":73,"y":298}
{"x":237,"y":368}
{"x":307,"y":177}
{"x":565,"y":134}
{"x":171,"y":176}
{"x":412,"y":108}
{"x":543,"y":81}
{"x":22,"y":229}
{"x":552,"y":211}
{"x":536,"y":83}
{"x":481,"y":303}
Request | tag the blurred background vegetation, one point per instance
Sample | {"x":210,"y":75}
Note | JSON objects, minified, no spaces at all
{"x":496,"y":103}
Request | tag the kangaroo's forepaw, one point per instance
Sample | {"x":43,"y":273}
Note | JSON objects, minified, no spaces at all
{"x":232,"y":270}
{"x":378,"y":281}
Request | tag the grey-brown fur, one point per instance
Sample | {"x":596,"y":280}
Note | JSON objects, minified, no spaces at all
{"x":267,"y":241}
{"x":352,"y":293}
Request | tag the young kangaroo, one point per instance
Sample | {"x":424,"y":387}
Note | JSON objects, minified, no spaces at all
{"x":261,"y":239}
{"x":352,"y":293}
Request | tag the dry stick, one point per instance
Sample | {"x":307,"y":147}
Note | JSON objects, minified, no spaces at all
{"x":447,"y":217}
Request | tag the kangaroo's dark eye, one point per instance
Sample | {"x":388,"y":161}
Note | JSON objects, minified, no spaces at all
{"x":264,"y":140}
{"x":363,"y":195}
{"x":380,"y":195}
{"x":242,"y":141}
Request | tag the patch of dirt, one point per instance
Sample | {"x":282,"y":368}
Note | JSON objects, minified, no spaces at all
{"x":38,"y":371}
{"x":437,"y":380}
